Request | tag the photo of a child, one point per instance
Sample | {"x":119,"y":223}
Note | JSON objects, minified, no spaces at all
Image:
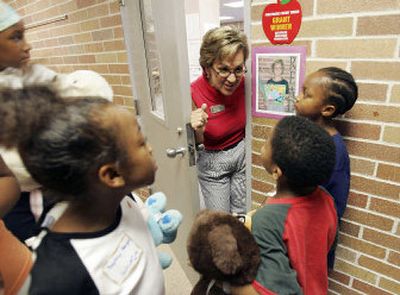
{"x":278,"y":75}
{"x":275,"y":91}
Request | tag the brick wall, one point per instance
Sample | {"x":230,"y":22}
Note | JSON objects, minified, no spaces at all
{"x":91,"y":38}
{"x":361,"y":37}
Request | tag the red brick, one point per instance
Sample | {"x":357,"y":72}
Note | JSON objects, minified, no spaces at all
{"x":113,"y":80}
{"x":314,"y":65}
{"x":339,"y":277}
{"x":349,"y":228}
{"x":379,"y":238}
{"x":376,"y":70}
{"x":385,"y":207}
{"x":391,"y":134}
{"x":95,"y":47}
{"x":389,"y":285}
{"x":357,"y":200}
{"x":375,"y":187}
{"x":114,"y":45}
{"x":372,"y":91}
{"x":361,"y":166}
{"x":125,"y":80}
{"x":374,"y":151}
{"x":379,"y":113}
{"x":85,"y":3}
{"x":119,"y":69}
{"x":264,"y":121}
{"x":323,"y":27}
{"x":261,"y":132}
{"x":123,"y":90}
{"x":118,"y":33}
{"x":122,"y":57}
{"x":360,"y":130}
{"x":66,"y":7}
{"x":394,"y":258}
{"x":101,"y":35}
{"x":345,"y":254}
{"x":380,"y":267}
{"x":360,"y":48}
{"x":90,"y":25}
{"x":369,"y":219}
{"x":388,"y":172}
{"x":114,"y":7}
{"x":256,"y":145}
{"x":77,"y":16}
{"x":101,"y":69}
{"x":255,"y":159}
{"x":110,"y":21}
{"x":99,"y":10}
{"x":379,"y":25}
{"x":368,"y":289}
{"x":71,"y":59}
{"x":362,"y":246}
{"x":261,"y":186}
{"x":261,"y":174}
{"x":395,"y":95}
{"x":87,"y":59}
{"x":345,"y":6}
{"x":340,"y":289}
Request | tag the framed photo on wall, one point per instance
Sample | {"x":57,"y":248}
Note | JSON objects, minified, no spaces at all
{"x":278,"y":75}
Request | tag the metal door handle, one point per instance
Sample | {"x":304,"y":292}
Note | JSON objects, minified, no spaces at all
{"x":171,"y":153}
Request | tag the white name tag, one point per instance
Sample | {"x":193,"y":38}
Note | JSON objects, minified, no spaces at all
{"x":217,"y":108}
{"x":123,"y":260}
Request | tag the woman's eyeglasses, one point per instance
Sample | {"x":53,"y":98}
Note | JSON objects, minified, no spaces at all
{"x":225,"y":72}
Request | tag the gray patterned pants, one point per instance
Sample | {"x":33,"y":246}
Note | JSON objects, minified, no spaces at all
{"x":222,"y":179}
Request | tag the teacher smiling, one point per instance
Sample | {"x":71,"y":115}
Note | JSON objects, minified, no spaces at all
{"x":219,"y":119}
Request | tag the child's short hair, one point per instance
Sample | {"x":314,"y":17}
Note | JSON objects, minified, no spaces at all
{"x":275,"y":62}
{"x":60,"y":141}
{"x":342,"y":90}
{"x":303,"y":151}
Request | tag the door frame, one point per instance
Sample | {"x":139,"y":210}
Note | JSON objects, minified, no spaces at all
{"x":248,"y":85}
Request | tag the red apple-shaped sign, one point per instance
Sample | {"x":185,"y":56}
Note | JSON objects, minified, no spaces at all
{"x":281,"y":21}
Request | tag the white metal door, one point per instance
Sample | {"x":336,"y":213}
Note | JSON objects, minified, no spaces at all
{"x":156,"y":41}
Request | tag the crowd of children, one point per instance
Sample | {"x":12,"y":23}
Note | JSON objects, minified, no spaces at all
{"x":87,"y":155}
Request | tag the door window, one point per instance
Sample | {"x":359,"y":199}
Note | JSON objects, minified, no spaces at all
{"x":153,"y":60}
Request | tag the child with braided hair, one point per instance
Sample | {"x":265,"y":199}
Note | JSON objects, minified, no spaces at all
{"x":328,"y":93}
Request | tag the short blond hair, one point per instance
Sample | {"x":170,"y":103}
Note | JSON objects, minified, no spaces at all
{"x":222,"y":42}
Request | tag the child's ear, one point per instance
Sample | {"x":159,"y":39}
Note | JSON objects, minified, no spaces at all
{"x":276,"y":172}
{"x":109,"y":175}
{"x":328,"y":110}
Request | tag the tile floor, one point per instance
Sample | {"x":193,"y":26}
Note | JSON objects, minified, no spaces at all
{"x":176,"y":282}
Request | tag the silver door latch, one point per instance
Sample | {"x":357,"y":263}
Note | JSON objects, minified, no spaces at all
{"x":172,"y":153}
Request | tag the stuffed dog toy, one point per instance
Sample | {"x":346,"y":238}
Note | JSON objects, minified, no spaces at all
{"x":163,"y":224}
{"x":223,"y":251}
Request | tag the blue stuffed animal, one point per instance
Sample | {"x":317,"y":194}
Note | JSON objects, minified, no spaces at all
{"x":163,"y":224}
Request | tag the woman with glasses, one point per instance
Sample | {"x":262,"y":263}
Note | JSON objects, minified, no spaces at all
{"x":219,"y":119}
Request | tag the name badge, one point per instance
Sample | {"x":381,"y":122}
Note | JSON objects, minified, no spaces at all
{"x":124,"y":259}
{"x":217,"y":108}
